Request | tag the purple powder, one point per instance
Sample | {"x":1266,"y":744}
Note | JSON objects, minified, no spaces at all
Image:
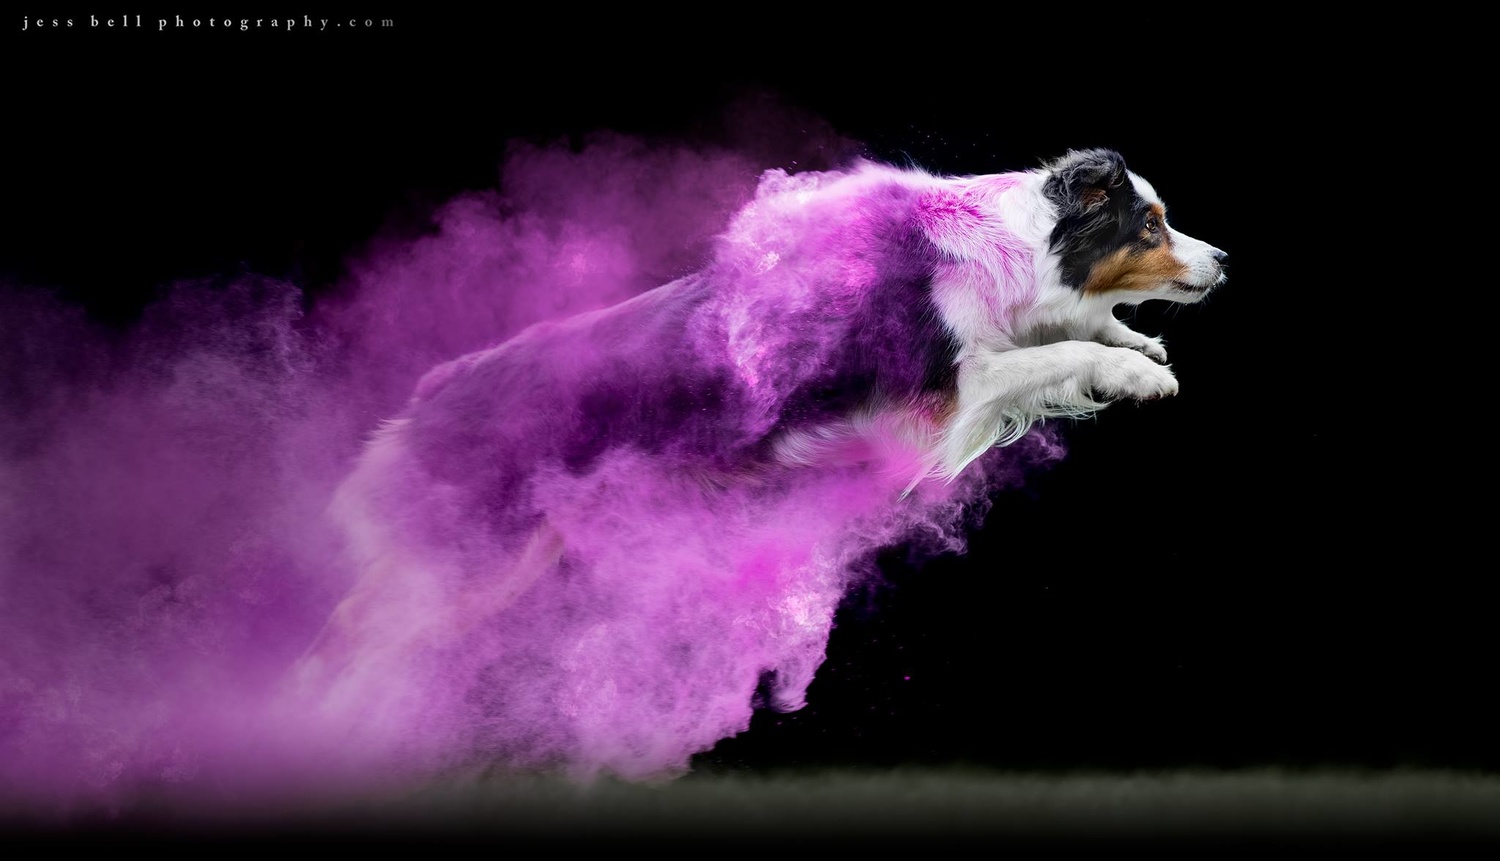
{"x":170,"y":543}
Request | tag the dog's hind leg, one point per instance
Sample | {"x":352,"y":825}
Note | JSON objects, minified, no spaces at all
{"x":1001,"y":394}
{"x":542,"y":551}
{"x":402,"y":606}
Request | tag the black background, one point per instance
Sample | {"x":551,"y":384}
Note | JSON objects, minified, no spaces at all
{"x":1264,"y":570}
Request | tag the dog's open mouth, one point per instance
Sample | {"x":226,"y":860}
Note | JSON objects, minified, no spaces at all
{"x":1187,"y":287}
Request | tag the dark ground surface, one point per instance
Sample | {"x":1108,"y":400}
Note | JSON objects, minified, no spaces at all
{"x":910,"y":809}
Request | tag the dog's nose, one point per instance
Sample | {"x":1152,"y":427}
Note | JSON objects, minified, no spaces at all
{"x":1219,"y":256}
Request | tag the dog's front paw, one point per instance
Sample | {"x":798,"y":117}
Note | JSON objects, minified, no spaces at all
{"x":1127,"y":374}
{"x":1153,"y":349}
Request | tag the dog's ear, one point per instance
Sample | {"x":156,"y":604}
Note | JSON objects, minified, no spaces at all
{"x":1083,"y":180}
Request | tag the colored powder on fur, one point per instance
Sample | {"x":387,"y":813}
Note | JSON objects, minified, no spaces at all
{"x":169,"y":544}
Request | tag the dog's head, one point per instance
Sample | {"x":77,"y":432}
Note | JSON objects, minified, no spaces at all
{"x":1112,"y":239}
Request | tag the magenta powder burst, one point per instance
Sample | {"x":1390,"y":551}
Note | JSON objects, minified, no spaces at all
{"x":179,"y":518}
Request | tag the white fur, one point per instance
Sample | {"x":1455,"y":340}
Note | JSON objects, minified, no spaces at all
{"x":1054,"y":351}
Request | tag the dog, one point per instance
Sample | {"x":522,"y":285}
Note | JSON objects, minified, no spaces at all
{"x":882,"y":324}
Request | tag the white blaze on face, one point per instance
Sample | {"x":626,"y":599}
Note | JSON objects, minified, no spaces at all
{"x":1200,"y":261}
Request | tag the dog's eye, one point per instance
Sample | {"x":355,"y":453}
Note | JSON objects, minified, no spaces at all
{"x":1151,"y":225}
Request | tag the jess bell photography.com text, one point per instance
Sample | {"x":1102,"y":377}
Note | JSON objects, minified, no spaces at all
{"x":172,"y":23}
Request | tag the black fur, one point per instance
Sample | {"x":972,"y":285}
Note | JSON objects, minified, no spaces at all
{"x":1098,"y":209}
